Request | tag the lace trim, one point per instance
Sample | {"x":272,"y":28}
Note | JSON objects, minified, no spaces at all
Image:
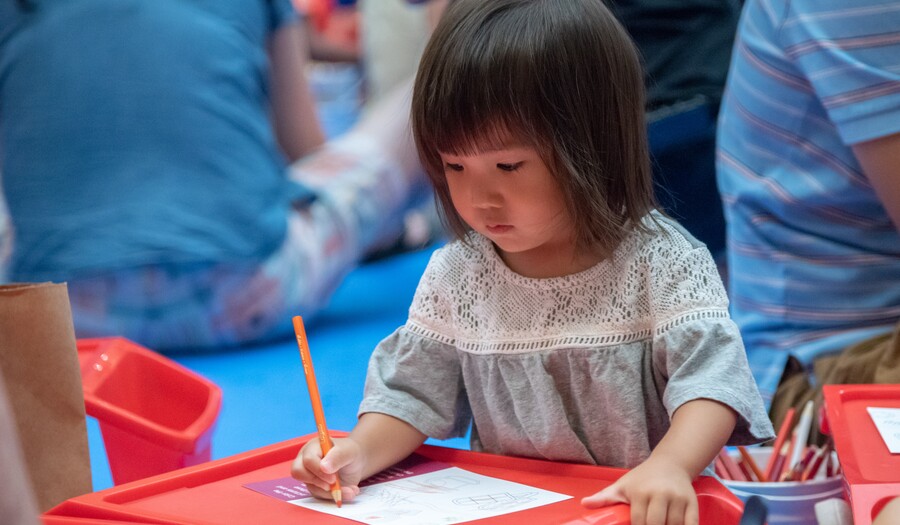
{"x":469,"y":299}
{"x":556,"y":342}
{"x":721,"y":313}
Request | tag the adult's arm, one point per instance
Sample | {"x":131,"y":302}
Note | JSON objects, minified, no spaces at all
{"x":880,"y":159}
{"x":293,"y":107}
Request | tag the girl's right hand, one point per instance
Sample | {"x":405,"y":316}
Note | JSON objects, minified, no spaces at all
{"x":345,"y":459}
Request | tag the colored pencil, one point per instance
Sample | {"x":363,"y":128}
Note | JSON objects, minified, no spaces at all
{"x":751,"y":464}
{"x":780,"y":461}
{"x":794,"y":473}
{"x":721,"y":471}
{"x":731,"y":466}
{"x":801,"y":435}
{"x":814,"y":465}
{"x":318,"y":413}
{"x":783,"y":432}
{"x":745,"y":470}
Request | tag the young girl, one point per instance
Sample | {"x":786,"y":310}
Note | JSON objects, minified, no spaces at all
{"x":569,"y":321}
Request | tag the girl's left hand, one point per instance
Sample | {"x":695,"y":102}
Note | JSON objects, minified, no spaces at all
{"x":659,"y":492}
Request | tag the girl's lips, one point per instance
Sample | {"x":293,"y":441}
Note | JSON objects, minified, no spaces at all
{"x":498,"y":228}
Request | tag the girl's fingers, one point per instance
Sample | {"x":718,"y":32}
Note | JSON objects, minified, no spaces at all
{"x":608,"y":496}
{"x":338,"y":457}
{"x":639,"y":510}
{"x":307,"y":468}
{"x":674,"y":514}
{"x":692,"y":513}
{"x":349,"y":492}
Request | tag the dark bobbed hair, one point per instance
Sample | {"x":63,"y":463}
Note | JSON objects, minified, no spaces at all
{"x":561,"y":76}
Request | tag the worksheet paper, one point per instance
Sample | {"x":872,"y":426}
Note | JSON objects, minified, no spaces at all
{"x":419,"y":491}
{"x":887,"y":421}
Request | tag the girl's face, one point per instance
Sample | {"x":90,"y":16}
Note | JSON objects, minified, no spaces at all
{"x":509,"y":196}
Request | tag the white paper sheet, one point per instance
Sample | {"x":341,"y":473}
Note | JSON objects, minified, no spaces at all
{"x":887,"y":421}
{"x":420,"y":492}
{"x":444,"y":497}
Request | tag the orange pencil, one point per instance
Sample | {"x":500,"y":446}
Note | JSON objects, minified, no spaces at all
{"x":324,"y":438}
{"x":748,"y":459}
{"x":780,"y":461}
{"x":783,"y":433}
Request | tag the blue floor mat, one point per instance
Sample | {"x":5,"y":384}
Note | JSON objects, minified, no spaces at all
{"x":265,"y":399}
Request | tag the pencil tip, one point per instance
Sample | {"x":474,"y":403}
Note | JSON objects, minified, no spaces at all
{"x":338,"y":499}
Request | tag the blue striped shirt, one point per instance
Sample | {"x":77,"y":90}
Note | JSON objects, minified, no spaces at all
{"x":814,"y":259}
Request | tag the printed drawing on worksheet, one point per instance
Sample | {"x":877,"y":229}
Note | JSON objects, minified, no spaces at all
{"x":419,"y":491}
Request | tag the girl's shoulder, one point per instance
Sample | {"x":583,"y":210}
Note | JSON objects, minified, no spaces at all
{"x":664,"y":253}
{"x":678,"y":270}
{"x":658,"y":242}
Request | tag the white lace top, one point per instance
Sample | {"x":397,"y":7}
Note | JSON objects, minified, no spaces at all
{"x":586,"y":368}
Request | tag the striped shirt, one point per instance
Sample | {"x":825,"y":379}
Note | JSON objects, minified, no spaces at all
{"x":814,"y":259}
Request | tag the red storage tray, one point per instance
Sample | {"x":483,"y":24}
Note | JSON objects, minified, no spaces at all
{"x":871,"y":473}
{"x":155,"y":414}
{"x":213,"y":493}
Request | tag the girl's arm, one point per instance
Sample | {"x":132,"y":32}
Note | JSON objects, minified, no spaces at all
{"x":699,"y":430}
{"x":377,"y":442}
{"x":384,"y":440}
{"x":659,"y":490}
{"x":294,"y":114}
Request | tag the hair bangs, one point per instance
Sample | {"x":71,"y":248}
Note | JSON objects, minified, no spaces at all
{"x":482,"y":53}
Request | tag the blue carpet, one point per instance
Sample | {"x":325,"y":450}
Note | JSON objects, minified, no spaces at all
{"x":265,"y":399}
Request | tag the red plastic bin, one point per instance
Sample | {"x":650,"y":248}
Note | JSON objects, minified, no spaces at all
{"x":155,"y":415}
{"x":871,"y":473}
{"x":214,"y":493}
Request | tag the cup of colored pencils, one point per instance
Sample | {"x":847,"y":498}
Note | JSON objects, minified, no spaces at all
{"x":763,"y":465}
{"x":791,"y":476}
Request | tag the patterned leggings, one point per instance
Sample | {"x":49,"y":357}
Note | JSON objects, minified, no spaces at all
{"x":363,"y":194}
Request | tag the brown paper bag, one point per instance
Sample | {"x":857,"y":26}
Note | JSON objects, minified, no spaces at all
{"x":39,"y":363}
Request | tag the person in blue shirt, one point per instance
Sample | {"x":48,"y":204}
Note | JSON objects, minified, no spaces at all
{"x":149,"y":158}
{"x":808,"y":149}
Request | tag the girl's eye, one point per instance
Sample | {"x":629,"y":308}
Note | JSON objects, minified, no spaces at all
{"x":509,"y":167}
{"x":453,"y":167}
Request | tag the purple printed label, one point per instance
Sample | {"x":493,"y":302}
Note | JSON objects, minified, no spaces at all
{"x":285,"y":489}
{"x":414,"y":465}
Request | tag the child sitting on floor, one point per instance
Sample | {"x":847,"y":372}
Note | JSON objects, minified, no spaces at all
{"x":569,"y":321}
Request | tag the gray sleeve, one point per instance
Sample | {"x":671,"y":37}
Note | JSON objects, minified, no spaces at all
{"x":419,"y":381}
{"x":705,"y":358}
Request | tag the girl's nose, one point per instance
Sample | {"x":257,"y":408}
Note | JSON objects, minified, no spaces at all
{"x":484,"y":196}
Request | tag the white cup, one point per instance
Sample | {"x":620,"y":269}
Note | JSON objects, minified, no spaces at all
{"x":789,"y":502}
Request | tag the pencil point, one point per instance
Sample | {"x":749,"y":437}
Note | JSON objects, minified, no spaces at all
{"x":336,"y":495}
